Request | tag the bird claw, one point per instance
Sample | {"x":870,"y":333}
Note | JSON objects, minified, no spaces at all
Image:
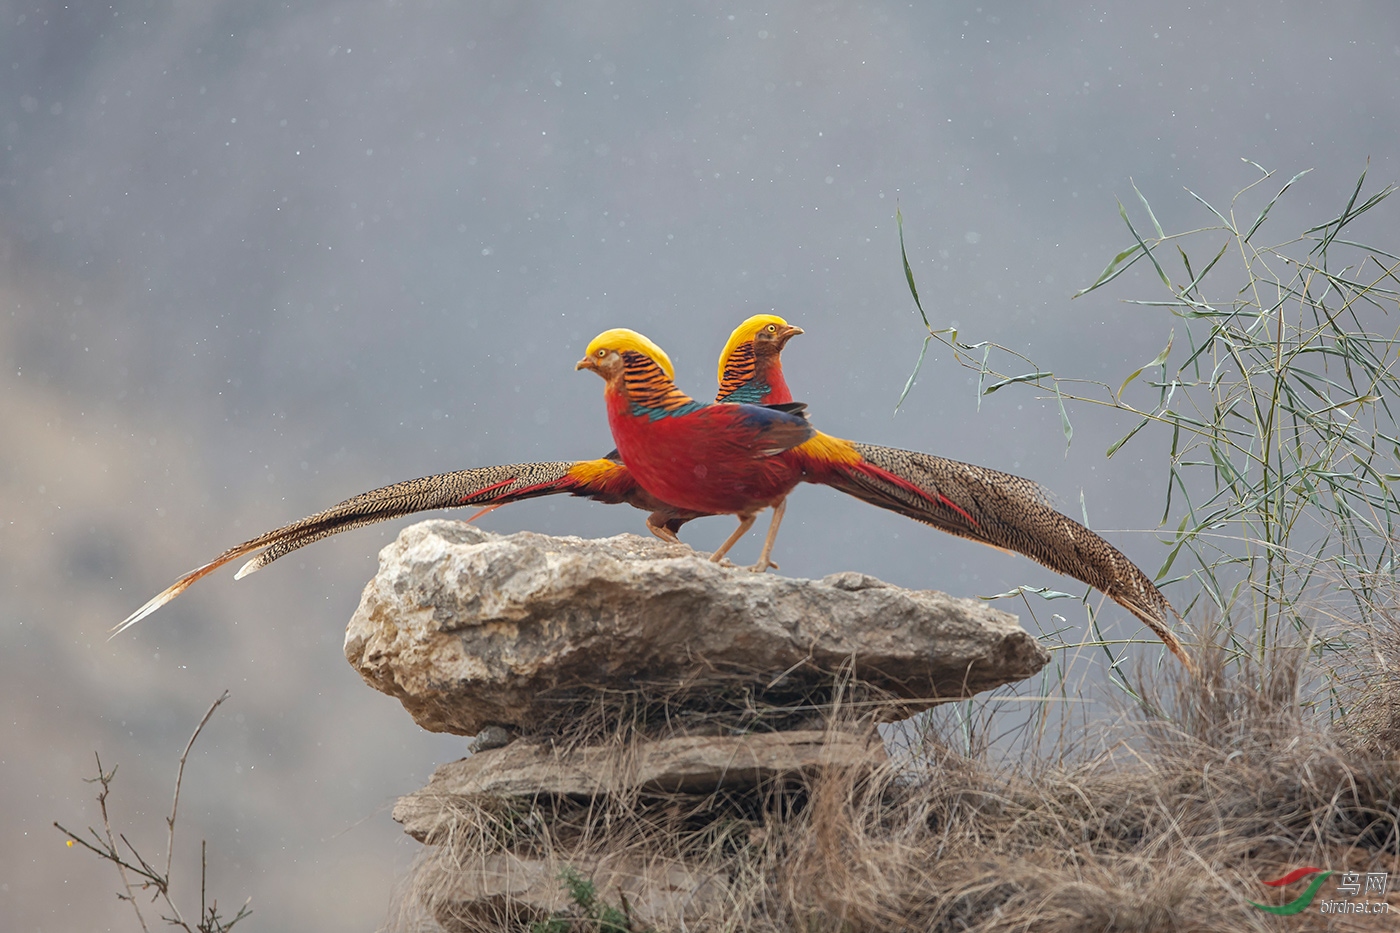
{"x":763,"y":567}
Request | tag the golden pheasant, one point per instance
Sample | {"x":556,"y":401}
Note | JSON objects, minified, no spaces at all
{"x":994,"y":508}
{"x":741,"y":459}
{"x":750,"y":369}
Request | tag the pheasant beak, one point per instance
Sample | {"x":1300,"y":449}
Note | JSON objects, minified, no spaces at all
{"x":792,"y":331}
{"x":586,"y":363}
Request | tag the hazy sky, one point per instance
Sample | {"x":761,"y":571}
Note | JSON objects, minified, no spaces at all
{"x":260,"y":256}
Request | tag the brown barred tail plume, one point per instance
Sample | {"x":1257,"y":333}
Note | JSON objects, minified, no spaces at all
{"x":1013,"y":514}
{"x":494,"y":485}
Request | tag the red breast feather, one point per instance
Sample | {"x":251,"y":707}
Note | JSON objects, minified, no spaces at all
{"x":716,"y":458}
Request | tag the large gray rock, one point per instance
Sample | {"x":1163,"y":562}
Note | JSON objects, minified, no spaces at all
{"x":700,"y":764}
{"x":470,"y":629}
{"x":503,"y":890}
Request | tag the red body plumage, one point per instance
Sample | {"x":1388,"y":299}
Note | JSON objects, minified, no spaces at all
{"x":736,"y":459}
{"x":715,"y":458}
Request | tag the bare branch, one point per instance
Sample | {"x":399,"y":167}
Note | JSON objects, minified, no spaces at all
{"x":180,"y":776}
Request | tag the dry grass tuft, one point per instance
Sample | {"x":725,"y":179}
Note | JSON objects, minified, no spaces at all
{"x":1222,"y":780}
{"x":1374,"y":721}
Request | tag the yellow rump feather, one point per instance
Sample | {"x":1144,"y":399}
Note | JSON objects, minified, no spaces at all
{"x":828,"y":449}
{"x":597,"y":472}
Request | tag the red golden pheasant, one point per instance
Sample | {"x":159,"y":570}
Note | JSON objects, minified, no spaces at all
{"x":750,"y":370}
{"x":988,"y":506}
{"x":741,"y":459}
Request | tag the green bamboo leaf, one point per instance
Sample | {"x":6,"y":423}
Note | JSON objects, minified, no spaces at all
{"x":1112,"y":271}
{"x":1341,"y":220}
{"x":1148,"y":207}
{"x":1158,"y":360}
{"x":1270,"y":206}
{"x":1041,"y":591}
{"x":1064,"y":419}
{"x":1161,"y":273}
{"x":909,"y":383}
{"x":909,"y":274}
{"x":1173,"y":477}
{"x":1365,"y":247}
{"x":1195,"y":282}
{"x":1181,"y":540}
{"x":1186,"y":261}
{"x":1113,"y":448}
{"x":1025,"y":377}
{"x":1212,"y":209}
{"x":982,"y":373}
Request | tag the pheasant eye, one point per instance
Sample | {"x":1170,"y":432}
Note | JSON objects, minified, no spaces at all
{"x":772,"y":328}
{"x":602,"y":353}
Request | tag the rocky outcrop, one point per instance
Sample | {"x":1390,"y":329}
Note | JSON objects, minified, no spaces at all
{"x":505,"y":891}
{"x":644,"y":717}
{"x":469,"y":629}
{"x":677,"y":765}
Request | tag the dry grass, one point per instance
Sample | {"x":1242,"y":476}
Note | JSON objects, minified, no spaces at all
{"x":1224,"y":780}
{"x":1272,"y":757}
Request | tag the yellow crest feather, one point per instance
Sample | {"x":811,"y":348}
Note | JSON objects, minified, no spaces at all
{"x":744,"y":333}
{"x":620,"y":338}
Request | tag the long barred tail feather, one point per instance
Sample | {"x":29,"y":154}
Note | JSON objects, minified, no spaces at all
{"x":1010,"y":513}
{"x":998,"y":509}
{"x":487,"y":486}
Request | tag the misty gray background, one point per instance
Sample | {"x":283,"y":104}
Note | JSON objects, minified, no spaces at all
{"x":258,"y":257}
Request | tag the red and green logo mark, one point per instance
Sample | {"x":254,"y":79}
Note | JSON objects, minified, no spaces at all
{"x":1304,"y":899}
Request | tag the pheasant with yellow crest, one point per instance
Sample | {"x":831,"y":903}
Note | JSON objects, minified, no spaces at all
{"x":680,"y":460}
{"x":750,"y":369}
{"x":741,"y":459}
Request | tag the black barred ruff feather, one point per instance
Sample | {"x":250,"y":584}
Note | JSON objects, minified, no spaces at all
{"x":650,"y":391}
{"x":737,"y":383}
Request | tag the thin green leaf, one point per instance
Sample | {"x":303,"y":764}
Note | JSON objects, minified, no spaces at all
{"x":1041,"y":591}
{"x":1113,"y":448}
{"x":1182,"y":538}
{"x":982,"y":373}
{"x":1204,"y":272}
{"x":1112,"y":271}
{"x":909,"y":277}
{"x":909,"y":383}
{"x":1161,"y":274}
{"x":1341,"y":220}
{"x":1025,"y":377}
{"x":1259,"y":221}
{"x":1148,"y":207}
{"x":1158,"y":360}
{"x":1223,"y":220}
{"x":1064,"y":419}
{"x":1186,"y":261}
{"x":1365,"y":248}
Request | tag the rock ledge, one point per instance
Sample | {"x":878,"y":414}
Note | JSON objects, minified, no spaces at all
{"x":469,"y":629}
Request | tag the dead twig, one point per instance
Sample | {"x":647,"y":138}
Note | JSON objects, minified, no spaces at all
{"x":104,"y":846}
